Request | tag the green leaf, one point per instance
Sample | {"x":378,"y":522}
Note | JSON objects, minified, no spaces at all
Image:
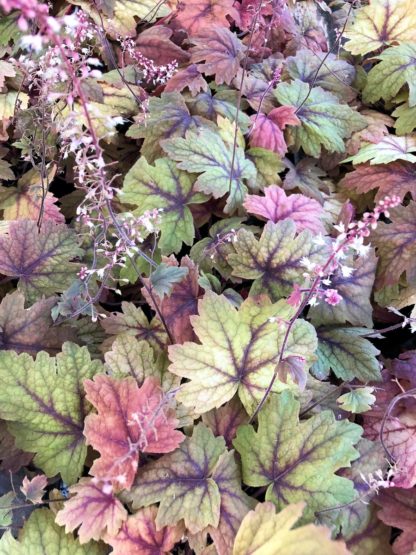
{"x":164,"y":278}
{"x":44,"y":404}
{"x":130,"y":357}
{"x":389,"y":149}
{"x":165,"y":187}
{"x":268,"y":166}
{"x":334,"y":75}
{"x":167,"y":116}
{"x":263,"y":532}
{"x":406,"y":118}
{"x":358,"y":400}
{"x":184,"y":483}
{"x":6,"y":515}
{"x":296,"y":460}
{"x":223,"y":103}
{"x":133,"y":321}
{"x":204,"y":152}
{"x":347,"y":354}
{"x":275,"y":261}
{"x":239,"y":351}
{"x":397,"y":67}
{"x":324,"y":121}
{"x":41,"y":536}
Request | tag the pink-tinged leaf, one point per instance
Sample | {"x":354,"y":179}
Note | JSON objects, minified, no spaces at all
{"x":139,"y":535}
{"x":257,"y":91}
{"x":404,"y":367}
{"x":182,"y":302}
{"x":12,"y":458}
{"x":396,"y":246}
{"x":187,"y":77}
{"x":276,"y":205}
{"x":397,"y":178}
{"x":296,"y":368}
{"x":39,"y":259}
{"x":248,"y":9}
{"x":222,"y":52}
{"x":25,"y":203}
{"x":155,"y":44}
{"x":225,"y":420}
{"x":129,"y":420}
{"x":197,"y":15}
{"x":34,"y":489}
{"x":398,"y":509}
{"x":94,"y":509}
{"x":399,"y":431}
{"x":267,"y":130}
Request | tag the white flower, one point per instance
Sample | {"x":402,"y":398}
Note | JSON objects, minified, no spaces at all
{"x":32,"y":42}
{"x":308,"y":264}
{"x":313,"y":301}
{"x":319,"y":240}
{"x":359,"y":247}
{"x":346,"y":271}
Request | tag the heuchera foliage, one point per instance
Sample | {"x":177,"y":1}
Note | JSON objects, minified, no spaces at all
{"x":207,"y":236}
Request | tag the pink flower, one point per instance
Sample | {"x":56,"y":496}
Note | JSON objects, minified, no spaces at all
{"x":332,"y":297}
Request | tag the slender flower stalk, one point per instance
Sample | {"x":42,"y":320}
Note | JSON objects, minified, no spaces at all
{"x":350,"y":238}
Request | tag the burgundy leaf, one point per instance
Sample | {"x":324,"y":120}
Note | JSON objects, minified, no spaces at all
{"x":155,"y":43}
{"x":182,"y":303}
{"x":188,"y":77}
{"x":222,"y":52}
{"x":197,"y":15}
{"x":397,"y":178}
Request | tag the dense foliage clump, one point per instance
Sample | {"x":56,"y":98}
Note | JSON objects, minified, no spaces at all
{"x":208,"y":236}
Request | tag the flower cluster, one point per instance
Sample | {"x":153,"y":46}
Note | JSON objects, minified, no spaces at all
{"x":151,"y":73}
{"x":348,"y":243}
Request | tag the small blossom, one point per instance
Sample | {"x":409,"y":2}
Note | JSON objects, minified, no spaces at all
{"x":332,"y":297}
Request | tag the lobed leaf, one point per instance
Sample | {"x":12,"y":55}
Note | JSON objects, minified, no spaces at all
{"x":138,"y":535}
{"x":379,"y":24}
{"x":348,"y":355}
{"x":276,"y":205}
{"x":239,"y":351}
{"x":263,"y":532}
{"x":276,"y":261}
{"x":41,"y":260}
{"x":41,"y":536}
{"x":221,"y":50}
{"x":93,"y":509}
{"x":206,"y":153}
{"x":166,"y":188}
{"x":130,"y":420}
{"x":44,"y":404}
{"x":323,"y":120}
{"x":396,"y":68}
{"x":296,"y":460}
